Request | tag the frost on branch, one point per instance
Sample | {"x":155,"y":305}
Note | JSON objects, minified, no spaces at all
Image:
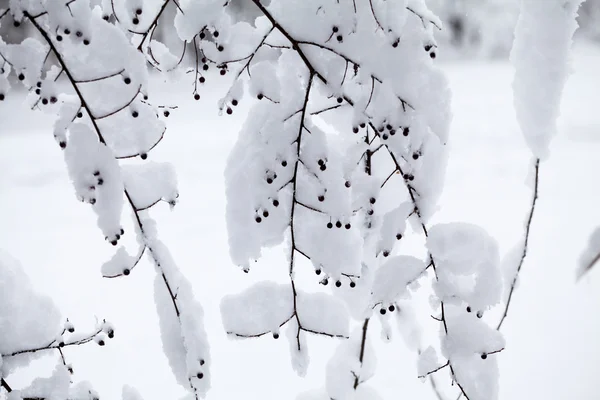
{"x":468,"y":283}
{"x":540,"y":54}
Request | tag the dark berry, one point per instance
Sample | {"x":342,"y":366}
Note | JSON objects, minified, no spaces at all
{"x":63,"y":145}
{"x":234,"y":102}
{"x":388,"y":127}
{"x":127,"y":80}
{"x":113,"y":242}
{"x":86,"y":42}
{"x":269,"y":180}
{"x":111,"y":334}
{"x":143,"y":156}
{"x":258,"y":219}
{"x":391,"y":308}
{"x":323,"y":167}
{"x":363,"y":125}
{"x":325,"y":282}
{"x":338,"y":284}
{"x":415,"y":156}
{"x":135,"y":114}
{"x":335,"y":29}
{"x":347,"y":184}
{"x":126,"y":271}
{"x":428,"y":47}
{"x":384,"y":136}
{"x":479,"y":314}
{"x":432,"y":55}
{"x":276,"y":336}
{"x":100,"y":181}
{"x":59,"y":38}
{"x":468,"y":309}
{"x":80,"y":115}
{"x":201,"y":362}
{"x":348,"y":226}
{"x":78,"y":34}
{"x":392,"y":132}
{"x":166,"y":113}
{"x":196,"y":96}
{"x":223,"y":71}
{"x":122,"y":231}
{"x":398,"y":236}
{"x":355,"y":129}
{"x":61,"y":344}
{"x":329,"y":225}
{"x":265,"y":213}
{"x":381,"y":128}
{"x":202,"y":79}
{"x":260,"y":96}
{"x":483,"y":356}
{"x":202,"y":35}
{"x":411,"y":178}
{"x":405,"y":131}
{"x":205,"y":67}
{"x":44,"y":101}
{"x":39,"y":84}
{"x":216,"y":33}
{"x":339,"y":100}
{"x":386,"y":253}
{"x":135,"y":21}
{"x":1,"y":96}
{"x":101,"y":342}
{"x":199,"y":375}
{"x":138,"y":11}
{"x":220,"y":48}
{"x":318,"y":271}
{"x":338,"y":224}
{"x":284,"y":163}
{"x":92,"y":202}
{"x":21,"y":77}
{"x":352,"y":284}
{"x":275,"y":203}
{"x":340,"y":38}
{"x":382,"y":311}
{"x":16,"y":24}
{"x":229,"y":110}
{"x":321,"y":198}
{"x":321,"y":162}
{"x":68,"y":32}
{"x":105,"y":17}
{"x":372,"y":200}
{"x":395,"y":44}
{"x":38,"y":91}
{"x":370,"y":212}
{"x":53,"y":99}
{"x":71,"y":330}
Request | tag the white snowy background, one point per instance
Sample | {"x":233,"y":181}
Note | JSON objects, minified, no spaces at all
{"x":553,"y":328}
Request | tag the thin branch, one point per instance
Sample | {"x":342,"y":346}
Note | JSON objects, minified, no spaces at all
{"x":361,"y":354}
{"x":433,"y":371}
{"x":513,"y":285}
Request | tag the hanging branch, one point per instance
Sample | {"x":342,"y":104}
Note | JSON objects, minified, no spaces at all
{"x":536,"y":167}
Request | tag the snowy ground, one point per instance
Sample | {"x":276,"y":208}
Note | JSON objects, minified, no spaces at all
{"x":553,"y":330}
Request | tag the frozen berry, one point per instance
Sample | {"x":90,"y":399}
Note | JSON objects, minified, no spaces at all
{"x":480,"y":314}
{"x":39,"y":84}
{"x":269,"y":180}
{"x":126,"y":271}
{"x":61,"y":344}
{"x":386,"y":253}
{"x":205,"y":67}
{"x":321,"y":198}
{"x":44,"y":101}
{"x":38,"y":91}
{"x":201,"y":362}
{"x":202,"y":79}
{"x":265,"y":213}
{"x":234,"y":102}
{"x":135,"y":21}
{"x":275,"y":335}
{"x":355,"y":129}
{"x":468,"y":309}
{"x":1,"y":96}
{"x":432,"y":55}
{"x":338,"y":283}
{"x":329,"y":225}
{"x":259,"y":96}
{"x":405,"y":131}
{"x":428,"y":47}
{"x":16,"y":24}
{"x":53,"y":99}
{"x":284,"y":163}
{"x":388,"y":127}
{"x":398,"y":236}
{"x":325,"y":282}
{"x":100,"y":181}
{"x":100,"y":342}
{"x":80,"y":115}
{"x":21,"y":76}
{"x":127,"y":80}
{"x":382,"y":311}
{"x":71,"y":329}
{"x":113,"y":242}
{"x":59,"y":38}
{"x":199,"y":375}
{"x":370,"y":212}
{"x":318,"y":271}
{"x":339,"y":100}
{"x":340,"y":38}
{"x":348,"y":226}
{"x":229,"y":110}
{"x":483,"y":356}
{"x":258,"y":220}
{"x":372,"y":200}
{"x":338,"y":224}
{"x":138,"y":11}
{"x":111,"y":334}
{"x":216,"y":33}
{"x":105,"y":17}
{"x":220,"y":48}
{"x":223,"y":71}
{"x":392,"y":132}
{"x":202,"y":35}
{"x":347,"y":184}
{"x":78,"y":34}
{"x":352,"y":284}
{"x":196,"y":96}
{"x":391,"y":308}
{"x":323,"y":167}
{"x":143,"y":156}
{"x":335,"y":29}
{"x":68,"y":32}
{"x":275,"y":203}
{"x":135,"y":114}
{"x":384,"y":136}
{"x":63,"y":145}
{"x":363,"y":125}
{"x":395,"y":44}
{"x":86,"y":42}
{"x":415,"y":156}
{"x":166,"y":113}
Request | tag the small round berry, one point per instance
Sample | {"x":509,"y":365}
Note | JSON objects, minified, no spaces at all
{"x":355,"y":129}
{"x":166,"y":113}
{"x":338,"y":283}
{"x":229,"y":110}
{"x":275,"y":203}
{"x":21,"y":76}
{"x":348,"y":226}
{"x":68,"y":31}
{"x":113,"y":242}
{"x":44,"y":101}
{"x":111,"y":334}
{"x":78,"y":34}
{"x":196,"y":96}
{"x":127,"y":80}
{"x":216,"y":33}
{"x":392,"y":132}
{"x":347,"y":184}
{"x":339,"y":100}
{"x":71,"y":330}
{"x":340,"y":38}
{"x":392,"y":308}
{"x":363,"y":125}
{"x":53,"y":99}
{"x":205,"y":67}
{"x":143,"y":156}
{"x":59,"y":38}
{"x":202,"y":35}
{"x":483,"y":356}
{"x":338,"y":224}
{"x":138,"y":11}
{"x":135,"y":21}
{"x":38,"y":91}
{"x":234,"y":102}
{"x":415,"y":156}
{"x":381,"y":128}
{"x":135,"y":114}
{"x":320,"y":162}
{"x":79,"y":114}
{"x":372,"y":200}
{"x":265,"y":213}
{"x":275,"y":335}
{"x":335,"y":29}
{"x":201,"y":362}
{"x":382,"y":311}
{"x":352,"y":284}
{"x":284,"y":163}
{"x":122,"y":232}
{"x":318,"y":271}
{"x":61,"y":344}
{"x":370,"y":212}
{"x":324,"y":282}
{"x":321,"y":198}
{"x":223,"y":71}
{"x":126,"y":271}
{"x":480,"y":314}
{"x":86,"y":42}
{"x":220,"y":48}
{"x":63,"y":145}
{"x":199,"y":375}
{"x":329,"y":225}
{"x":386,"y":253}
{"x":269,"y":180}
{"x":398,"y":236}
{"x":96,"y":173}
{"x":323,"y":167}
{"x":428,"y":47}
{"x":92,"y":202}
{"x":2,"y":97}
{"x":395,"y":44}
{"x":258,"y":219}
{"x":101,"y":182}
{"x":202,"y":79}
{"x":39,"y":84}
{"x":468,"y":308}
{"x":260,"y":96}
{"x":388,"y":127}
{"x":405,"y":131}
{"x":105,"y":17}
{"x":384,"y":136}
{"x":100,"y":342}
{"x":16,"y":24}
{"x":433,"y":55}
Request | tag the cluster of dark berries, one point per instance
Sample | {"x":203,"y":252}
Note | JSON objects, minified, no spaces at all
{"x":115,"y":240}
{"x":338,"y":36}
{"x":200,"y":374}
{"x":322,"y":164}
{"x":234,"y":103}
{"x":362,"y":125}
{"x":339,"y":224}
{"x":479,"y":313}
{"x":78,"y":34}
{"x":429,"y":48}
{"x":391,"y":131}
{"x":383,"y":310}
{"x":135,"y":19}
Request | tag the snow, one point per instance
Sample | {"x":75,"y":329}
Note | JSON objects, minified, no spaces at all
{"x":56,"y":239}
{"x":540,"y":54}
